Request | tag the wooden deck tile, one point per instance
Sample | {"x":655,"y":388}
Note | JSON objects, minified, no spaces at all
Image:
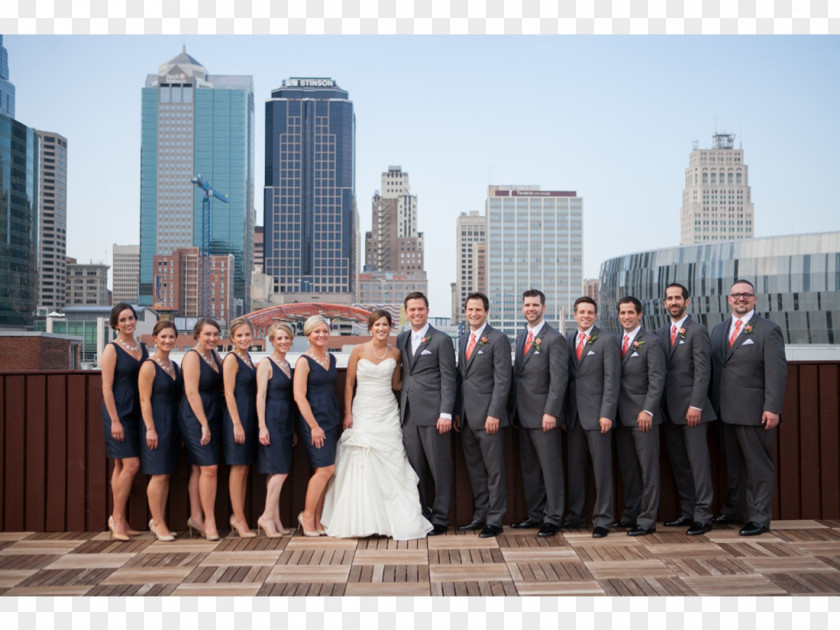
{"x":473,"y":589}
{"x":742,"y":585}
{"x":732,"y":536}
{"x":163,"y":560}
{"x":131,"y":590}
{"x":152,"y":575}
{"x":538,"y":555}
{"x":461,"y":542}
{"x":815,"y":548}
{"x":405,"y":589}
{"x":49,"y":591}
{"x":181,"y":546}
{"x":408,"y":556}
{"x":646,"y":587}
{"x":106,"y":545}
{"x":722,"y":566}
{"x":227,"y":575}
{"x":26,"y":561}
{"x":559,"y":571}
{"x":13,"y":536}
{"x":611,"y":552}
{"x":582,"y":588}
{"x":91,"y":561}
{"x":451,"y":572}
{"x":284,"y":589}
{"x":797,"y":525}
{"x":585,"y":540}
{"x":316,"y":557}
{"x":473,"y":555}
{"x":757,"y":549}
{"x":826,"y":534}
{"x":9,"y":579}
{"x":66,"y":577}
{"x":380,"y":543}
{"x":678,"y":551}
{"x":626,"y":568}
{"x":322,"y":542}
{"x":532,"y":542}
{"x":58,"y":547}
{"x":389,"y":573}
{"x":787,"y":565}
{"x":808,"y":583}
{"x":217,"y":590}
{"x":260,"y":543}
{"x":242,"y":558}
{"x":303,"y":574}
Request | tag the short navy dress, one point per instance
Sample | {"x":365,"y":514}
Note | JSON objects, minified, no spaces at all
{"x":212,"y":399}
{"x":245,"y":393}
{"x":280,"y":413}
{"x":166,"y":392}
{"x":321,"y":396}
{"x":127,"y":401}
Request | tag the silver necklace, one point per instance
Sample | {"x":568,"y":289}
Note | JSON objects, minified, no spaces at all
{"x":322,"y":362}
{"x":206,"y":360}
{"x":166,"y":368}
{"x":126,"y":346}
{"x":282,"y":364}
{"x":384,"y":354}
{"x":246,"y":359}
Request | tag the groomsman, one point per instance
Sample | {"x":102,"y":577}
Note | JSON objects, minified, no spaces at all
{"x":687,"y":410}
{"x":637,"y":436}
{"x":427,"y":401}
{"x":748,"y":387}
{"x":594,"y":382}
{"x":540,"y":375}
{"x":485,"y":370}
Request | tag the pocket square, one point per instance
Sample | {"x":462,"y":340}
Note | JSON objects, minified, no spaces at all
{"x":635,"y":354}
{"x":748,"y":342}
{"x":681,"y":342}
{"x":481,"y":352}
{"x":425,"y":352}
{"x":537,"y":352}
{"x":590,"y":353}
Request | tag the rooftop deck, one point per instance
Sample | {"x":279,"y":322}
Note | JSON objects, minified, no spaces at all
{"x":796,"y":558}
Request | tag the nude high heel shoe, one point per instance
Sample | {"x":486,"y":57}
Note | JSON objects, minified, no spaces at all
{"x":115,"y":535}
{"x":193,"y":525}
{"x":261,"y":525}
{"x":167,"y":538}
{"x":306,"y":532}
{"x":238,"y":529}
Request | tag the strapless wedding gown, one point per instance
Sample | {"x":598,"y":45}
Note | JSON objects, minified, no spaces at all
{"x":374,"y":490}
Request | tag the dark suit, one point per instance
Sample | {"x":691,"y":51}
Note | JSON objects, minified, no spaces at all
{"x":428,"y":390}
{"x":594,"y":383}
{"x":748,"y":379}
{"x":642,"y":384}
{"x":485,"y":385}
{"x":689,"y":373}
{"x":540,"y":378}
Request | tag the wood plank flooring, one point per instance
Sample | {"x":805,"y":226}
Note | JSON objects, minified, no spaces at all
{"x":795,"y":558}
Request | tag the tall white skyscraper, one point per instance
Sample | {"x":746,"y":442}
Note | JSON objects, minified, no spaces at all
{"x":125,"y":273}
{"x":470,"y":261}
{"x":716,"y":199}
{"x":52,"y":253}
{"x":534,"y":241}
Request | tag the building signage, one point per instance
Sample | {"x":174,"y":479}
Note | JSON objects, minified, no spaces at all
{"x":298,"y":82}
{"x":536,"y":193}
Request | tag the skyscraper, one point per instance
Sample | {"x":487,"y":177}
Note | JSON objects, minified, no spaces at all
{"x":716,"y":199}
{"x":310,"y":200}
{"x":534,"y":241}
{"x":87,"y":283}
{"x":125,"y":269}
{"x":52,"y":251}
{"x":196,"y":123}
{"x":7,"y":88}
{"x":394,"y":244}
{"x":470,"y":261}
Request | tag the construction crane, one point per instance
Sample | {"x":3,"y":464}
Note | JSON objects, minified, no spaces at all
{"x":209,"y":192}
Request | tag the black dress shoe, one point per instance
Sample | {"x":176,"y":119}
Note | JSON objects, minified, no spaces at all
{"x":570,"y":525}
{"x":697,"y":528}
{"x":682,"y":521}
{"x":527,"y":524}
{"x":438,"y":530}
{"x":638,"y":530}
{"x":600,"y":532}
{"x":722,"y":519}
{"x":489,"y":531}
{"x":548,"y":529}
{"x":624,"y":523}
{"x":753,"y":529}
{"x":472,"y":526}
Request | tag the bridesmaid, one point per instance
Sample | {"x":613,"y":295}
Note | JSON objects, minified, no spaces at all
{"x":200,"y":422}
{"x":276,"y":415}
{"x":121,"y":360}
{"x":239,"y":435}
{"x":160,"y":389}
{"x":314,"y":380}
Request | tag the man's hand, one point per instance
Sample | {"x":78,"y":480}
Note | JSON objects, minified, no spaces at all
{"x":645,"y":421}
{"x":692,"y":416}
{"x":444,"y":425}
{"x":491,"y":425}
{"x":606,"y":424}
{"x":770,"y":420}
{"x":549,"y":422}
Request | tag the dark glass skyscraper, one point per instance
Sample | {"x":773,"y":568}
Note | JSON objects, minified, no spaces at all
{"x":310,"y":200}
{"x":7,"y":89}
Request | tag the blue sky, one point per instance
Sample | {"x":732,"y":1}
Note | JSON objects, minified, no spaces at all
{"x":612,"y":117}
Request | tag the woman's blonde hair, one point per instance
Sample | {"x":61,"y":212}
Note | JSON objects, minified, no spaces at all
{"x":238,"y":323}
{"x":313,"y":322}
{"x":272,"y":330}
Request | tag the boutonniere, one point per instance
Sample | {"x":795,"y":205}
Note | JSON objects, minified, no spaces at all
{"x":482,"y":341}
{"x":425,"y":339}
{"x":638,"y":344}
{"x":592,"y":339}
{"x":748,"y":329}
{"x":537,"y":343}
{"x":681,"y":333}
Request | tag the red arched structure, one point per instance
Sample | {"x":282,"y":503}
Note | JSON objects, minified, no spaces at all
{"x":262,"y":319}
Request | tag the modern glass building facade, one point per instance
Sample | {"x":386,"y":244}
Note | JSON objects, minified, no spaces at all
{"x":534,"y":241}
{"x":797,"y":281}
{"x":19,"y":149}
{"x":7,"y":89}
{"x":310,"y":216}
{"x":195,"y":123}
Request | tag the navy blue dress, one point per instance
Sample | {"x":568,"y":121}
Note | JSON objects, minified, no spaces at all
{"x":166,"y":391}
{"x":127,"y":401}
{"x":245,"y":393}
{"x":212,"y":399}
{"x":321,"y":396}
{"x":280,"y":412}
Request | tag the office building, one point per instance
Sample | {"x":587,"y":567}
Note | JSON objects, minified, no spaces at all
{"x":796,"y":278}
{"x":7,"y":88}
{"x":178,"y":283}
{"x":125,"y":274}
{"x":259,"y":247}
{"x":534,"y":241}
{"x":470,"y":260}
{"x":394,"y":244}
{"x":52,"y":251}
{"x":195,"y":123}
{"x":87,"y":283}
{"x":389,"y":287}
{"x":310,"y":219}
{"x":716,"y":199}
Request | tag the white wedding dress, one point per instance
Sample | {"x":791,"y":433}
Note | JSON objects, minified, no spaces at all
{"x":374,"y":490}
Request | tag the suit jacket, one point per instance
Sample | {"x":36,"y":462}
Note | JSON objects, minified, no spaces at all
{"x":642,"y":379}
{"x":748,"y":378}
{"x":428,"y":377}
{"x":485,"y":378}
{"x":689,"y":372}
{"x":540,"y":377}
{"x":594,"y":380}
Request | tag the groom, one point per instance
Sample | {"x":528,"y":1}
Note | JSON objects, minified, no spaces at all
{"x":426,"y":403}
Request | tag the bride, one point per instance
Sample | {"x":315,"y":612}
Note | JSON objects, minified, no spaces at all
{"x":374,"y":490}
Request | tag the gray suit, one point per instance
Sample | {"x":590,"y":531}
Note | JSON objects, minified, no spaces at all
{"x":428,"y":390}
{"x":689,"y":373}
{"x":540,"y":378}
{"x":485,"y":385}
{"x":748,"y":379}
{"x":594,"y":383}
{"x":642,"y":384}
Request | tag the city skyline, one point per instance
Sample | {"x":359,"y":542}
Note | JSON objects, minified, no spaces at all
{"x":613,"y":118}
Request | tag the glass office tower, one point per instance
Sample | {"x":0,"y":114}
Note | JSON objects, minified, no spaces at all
{"x":310,"y":201}
{"x":196,"y":123}
{"x":7,"y":88}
